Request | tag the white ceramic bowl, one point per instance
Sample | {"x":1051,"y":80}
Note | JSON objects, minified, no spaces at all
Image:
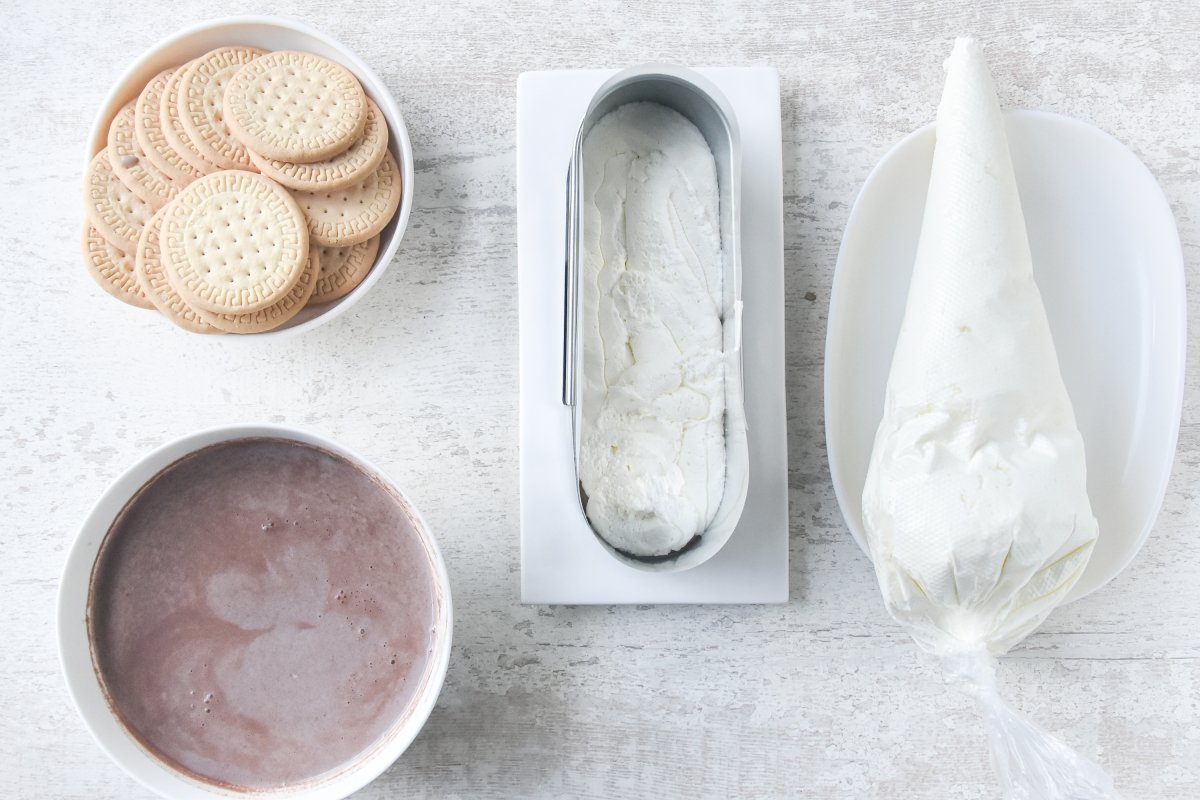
{"x":84,"y":686}
{"x":274,"y":33}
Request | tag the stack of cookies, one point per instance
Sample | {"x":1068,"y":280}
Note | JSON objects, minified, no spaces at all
{"x":239,"y":188}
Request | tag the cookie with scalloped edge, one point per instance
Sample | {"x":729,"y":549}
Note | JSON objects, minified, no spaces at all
{"x":295,"y":106}
{"x":233,"y":242}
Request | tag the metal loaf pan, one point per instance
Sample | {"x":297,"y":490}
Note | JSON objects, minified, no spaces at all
{"x":697,"y":99}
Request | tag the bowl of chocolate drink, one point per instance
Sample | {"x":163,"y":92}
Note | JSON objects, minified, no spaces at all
{"x":254,"y":610}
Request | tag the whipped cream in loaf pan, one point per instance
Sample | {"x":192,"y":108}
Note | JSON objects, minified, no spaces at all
{"x":652,"y":449}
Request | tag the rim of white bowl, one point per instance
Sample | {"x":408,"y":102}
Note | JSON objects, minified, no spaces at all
{"x":83,"y":684}
{"x":398,"y":142}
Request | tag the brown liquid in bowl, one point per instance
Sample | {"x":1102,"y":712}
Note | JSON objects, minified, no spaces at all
{"x":261,"y":613}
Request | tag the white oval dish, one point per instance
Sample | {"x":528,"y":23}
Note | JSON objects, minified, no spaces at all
{"x":275,"y":33}
{"x":1108,"y":261}
{"x":84,"y":685}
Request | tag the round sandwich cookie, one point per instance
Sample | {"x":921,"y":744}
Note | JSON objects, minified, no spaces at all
{"x":343,"y":268}
{"x":353,"y":213}
{"x":147,"y":127}
{"x":171,"y":122}
{"x":148,"y":270}
{"x":271,"y":317}
{"x":201,"y":105}
{"x":112,"y":268}
{"x":131,"y":165}
{"x":233,"y":242}
{"x":296,"y":107}
{"x":118,"y":214}
{"x":343,"y":169}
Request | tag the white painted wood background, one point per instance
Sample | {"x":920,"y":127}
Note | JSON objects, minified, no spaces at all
{"x":822,"y":698}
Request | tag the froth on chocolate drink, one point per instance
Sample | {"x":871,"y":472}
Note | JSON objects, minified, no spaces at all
{"x":262,"y":612}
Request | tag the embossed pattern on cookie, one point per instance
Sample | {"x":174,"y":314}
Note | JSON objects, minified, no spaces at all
{"x":234,"y":242}
{"x":201,"y":105}
{"x":353,"y":213}
{"x":295,"y":106}
{"x":147,"y":127}
{"x":118,"y":214}
{"x":271,"y":317}
{"x":343,"y":268}
{"x":152,"y":279}
{"x":172,"y":125}
{"x":112,"y":268}
{"x":341,"y":170}
{"x":130,"y":164}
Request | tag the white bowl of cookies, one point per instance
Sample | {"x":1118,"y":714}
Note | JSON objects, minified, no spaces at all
{"x":247,"y":175}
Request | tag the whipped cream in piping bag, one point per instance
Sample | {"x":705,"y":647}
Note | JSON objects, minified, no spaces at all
{"x":975,"y":504}
{"x":652,"y":444}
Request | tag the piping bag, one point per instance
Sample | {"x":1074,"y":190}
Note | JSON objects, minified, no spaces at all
{"x":975,"y":505}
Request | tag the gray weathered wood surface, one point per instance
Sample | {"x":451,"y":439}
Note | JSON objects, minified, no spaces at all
{"x":824,"y":697}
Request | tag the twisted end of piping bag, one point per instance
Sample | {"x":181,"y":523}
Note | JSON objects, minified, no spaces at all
{"x":1030,"y":762}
